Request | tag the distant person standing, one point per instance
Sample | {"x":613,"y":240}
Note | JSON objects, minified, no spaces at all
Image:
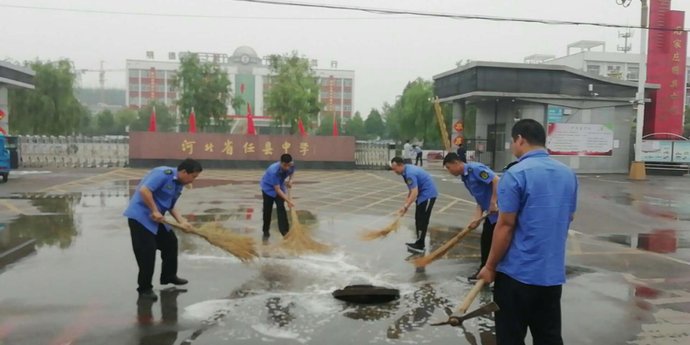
{"x":418,"y":153}
{"x":462,"y":153}
{"x":407,"y":152}
{"x":537,"y":198}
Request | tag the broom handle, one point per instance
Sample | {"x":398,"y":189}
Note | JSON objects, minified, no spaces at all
{"x":177,"y":225}
{"x":471,"y":296}
{"x":459,"y":236}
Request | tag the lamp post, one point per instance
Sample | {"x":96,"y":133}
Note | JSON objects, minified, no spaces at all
{"x":637,"y":167}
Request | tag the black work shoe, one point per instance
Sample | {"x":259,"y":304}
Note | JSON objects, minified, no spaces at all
{"x":415,"y":248}
{"x":175,"y":281}
{"x":148,"y":295}
{"x":264,"y":239}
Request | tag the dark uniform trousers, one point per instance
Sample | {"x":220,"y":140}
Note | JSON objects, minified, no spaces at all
{"x":522,"y":306}
{"x":145,"y":244}
{"x":487,"y":235}
{"x":280,"y":209}
{"x":422,"y":216}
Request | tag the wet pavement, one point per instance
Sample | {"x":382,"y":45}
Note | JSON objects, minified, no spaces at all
{"x":67,"y":273}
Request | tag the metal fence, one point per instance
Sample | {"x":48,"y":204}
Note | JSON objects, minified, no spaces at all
{"x":373,"y":155}
{"x":39,"y":151}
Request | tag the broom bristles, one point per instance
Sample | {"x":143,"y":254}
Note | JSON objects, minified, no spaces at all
{"x":241,"y":246}
{"x":298,"y":240}
{"x":383,"y":232}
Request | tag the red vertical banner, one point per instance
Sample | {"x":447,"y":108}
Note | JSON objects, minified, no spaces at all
{"x":152,"y":83}
{"x":666,"y":66}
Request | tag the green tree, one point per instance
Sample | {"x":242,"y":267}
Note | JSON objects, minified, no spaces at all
{"x":205,"y":87}
{"x":51,"y":108}
{"x":294,"y":91}
{"x":326,"y":127}
{"x":374,"y":126}
{"x":412,"y":116}
{"x":105,"y":123}
{"x":355,"y":127}
{"x":125,"y":118}
{"x":165,"y":121}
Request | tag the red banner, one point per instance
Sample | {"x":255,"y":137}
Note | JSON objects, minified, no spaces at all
{"x":666,"y":66}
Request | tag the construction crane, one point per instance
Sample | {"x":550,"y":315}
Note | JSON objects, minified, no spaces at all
{"x":101,"y":76}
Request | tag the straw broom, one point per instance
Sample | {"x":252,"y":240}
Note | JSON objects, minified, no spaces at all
{"x":298,"y":240}
{"x":383,"y":232}
{"x":442,"y":250}
{"x":240,"y":246}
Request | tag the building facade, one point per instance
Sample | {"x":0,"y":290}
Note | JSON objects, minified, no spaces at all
{"x":150,"y":79}
{"x":592,"y":57}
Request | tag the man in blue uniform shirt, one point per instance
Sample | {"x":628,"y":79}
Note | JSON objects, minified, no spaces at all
{"x":422,"y":190}
{"x":482,"y":183}
{"x":155,"y":195}
{"x":537,"y":198}
{"x":273,"y":190}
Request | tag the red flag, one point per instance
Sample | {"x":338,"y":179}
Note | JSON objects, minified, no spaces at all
{"x":152,"y":120}
{"x":335,"y":126}
{"x":192,"y":122}
{"x":250,"y":120}
{"x":302,"y":132}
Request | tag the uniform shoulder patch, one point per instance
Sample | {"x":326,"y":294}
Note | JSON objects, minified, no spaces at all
{"x":484,"y":175}
{"x":168,"y":171}
{"x":408,"y":181}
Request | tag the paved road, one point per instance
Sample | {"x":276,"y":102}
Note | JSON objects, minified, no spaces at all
{"x":67,"y":274}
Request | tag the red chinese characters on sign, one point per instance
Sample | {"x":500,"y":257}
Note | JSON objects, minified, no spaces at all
{"x":666,"y":66}
{"x":152,"y":83}
{"x":218,"y":147}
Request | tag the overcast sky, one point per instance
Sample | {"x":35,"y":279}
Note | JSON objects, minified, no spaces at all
{"x":384,"y":51}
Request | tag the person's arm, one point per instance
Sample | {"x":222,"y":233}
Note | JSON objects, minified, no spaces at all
{"x":180,"y":220}
{"x":509,"y":192}
{"x":503,"y":236}
{"x":493,"y":204}
{"x":290,"y":180}
{"x":411,"y":197}
{"x":280,"y":193}
{"x":147,"y":196}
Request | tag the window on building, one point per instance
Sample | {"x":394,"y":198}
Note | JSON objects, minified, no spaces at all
{"x":347,"y":107}
{"x":347,"y":95}
{"x":594,"y":69}
{"x":134,"y":101}
{"x":348,"y":82}
{"x":633,"y":72}
{"x":134,"y":73}
{"x":614,"y":71}
{"x":133,"y":87}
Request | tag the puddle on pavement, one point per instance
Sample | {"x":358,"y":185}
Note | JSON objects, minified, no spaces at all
{"x":663,"y":241}
{"x":244,"y":213}
{"x":53,"y":226}
{"x":655,"y":206}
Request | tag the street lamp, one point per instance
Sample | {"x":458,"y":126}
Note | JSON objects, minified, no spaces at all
{"x":637,"y":167}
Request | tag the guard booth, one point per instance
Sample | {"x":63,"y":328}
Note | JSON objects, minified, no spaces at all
{"x":588,"y":118}
{"x":12,"y":76}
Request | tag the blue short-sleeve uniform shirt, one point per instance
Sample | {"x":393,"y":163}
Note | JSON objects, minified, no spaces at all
{"x":478,"y":179}
{"x":163,"y":184}
{"x":273,"y":176}
{"x":416,"y":177}
{"x":543,"y":194}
